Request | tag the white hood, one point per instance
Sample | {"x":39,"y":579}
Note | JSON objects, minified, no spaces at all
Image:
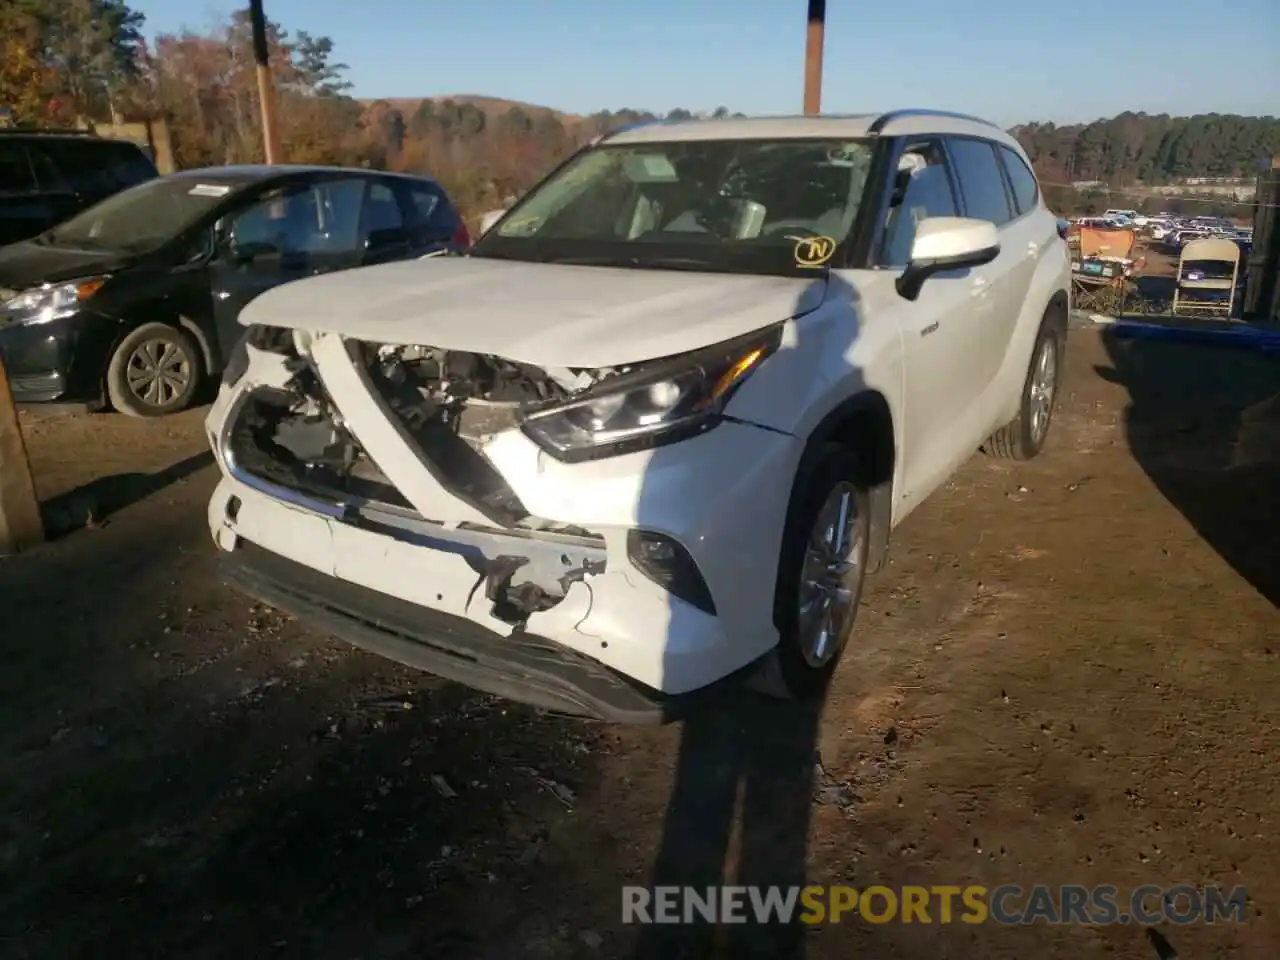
{"x":541,"y":314}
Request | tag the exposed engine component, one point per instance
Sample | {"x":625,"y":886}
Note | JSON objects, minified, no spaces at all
{"x":474,"y":394}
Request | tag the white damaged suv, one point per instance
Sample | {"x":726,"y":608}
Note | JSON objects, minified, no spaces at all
{"x":654,"y":429}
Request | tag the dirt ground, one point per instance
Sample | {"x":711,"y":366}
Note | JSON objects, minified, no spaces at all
{"x":1067,"y":674}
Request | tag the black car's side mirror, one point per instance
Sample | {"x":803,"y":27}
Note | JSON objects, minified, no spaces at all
{"x":201,"y":248}
{"x":246,"y":253}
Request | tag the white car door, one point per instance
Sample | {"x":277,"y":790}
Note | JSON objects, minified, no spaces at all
{"x":985,"y":197}
{"x":941,"y":391}
{"x":1032,"y":231}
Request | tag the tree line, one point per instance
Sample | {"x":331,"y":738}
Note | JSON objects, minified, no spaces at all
{"x":1138,"y":149}
{"x":1153,"y":149}
{"x":74,"y":61}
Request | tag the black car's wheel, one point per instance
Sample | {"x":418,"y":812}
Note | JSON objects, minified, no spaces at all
{"x":1023,"y":437}
{"x":154,"y":371}
{"x":822,"y":565}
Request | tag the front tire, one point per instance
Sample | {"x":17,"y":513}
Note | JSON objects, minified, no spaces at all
{"x":822,"y":566}
{"x":154,"y":371}
{"x":1023,"y":437}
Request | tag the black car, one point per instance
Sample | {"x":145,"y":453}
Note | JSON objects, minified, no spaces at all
{"x":135,"y":300}
{"x":47,"y":177}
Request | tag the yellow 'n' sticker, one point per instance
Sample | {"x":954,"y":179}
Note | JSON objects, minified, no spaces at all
{"x":813,"y":251}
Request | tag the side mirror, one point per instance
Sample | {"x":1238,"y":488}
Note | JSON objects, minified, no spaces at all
{"x":245,"y":253}
{"x":947,"y":243}
{"x":490,"y":218}
{"x":203,"y":247}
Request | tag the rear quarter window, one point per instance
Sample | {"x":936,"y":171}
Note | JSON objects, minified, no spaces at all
{"x":1026,"y":191}
{"x":432,"y":212}
{"x":129,"y":165}
{"x":100,"y":166}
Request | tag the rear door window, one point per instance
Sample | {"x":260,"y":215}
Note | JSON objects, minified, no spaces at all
{"x":49,"y":178}
{"x":381,"y":210}
{"x":320,"y":218}
{"x":981,"y":182}
{"x":17,"y":179}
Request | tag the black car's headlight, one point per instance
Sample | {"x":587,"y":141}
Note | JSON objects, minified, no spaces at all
{"x":664,"y":402}
{"x":52,"y":301}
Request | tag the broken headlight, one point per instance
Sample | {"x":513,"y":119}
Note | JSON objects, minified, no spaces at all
{"x":664,"y":402}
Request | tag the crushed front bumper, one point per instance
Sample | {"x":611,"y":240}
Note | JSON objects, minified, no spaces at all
{"x":520,"y":667}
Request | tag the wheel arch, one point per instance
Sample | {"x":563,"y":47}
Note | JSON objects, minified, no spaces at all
{"x":1059,"y":308}
{"x":864,"y":424}
{"x":210,"y":356}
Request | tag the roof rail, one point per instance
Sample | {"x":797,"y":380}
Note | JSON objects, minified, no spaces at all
{"x":882,"y":121}
{"x":641,"y":123}
{"x":65,"y":131}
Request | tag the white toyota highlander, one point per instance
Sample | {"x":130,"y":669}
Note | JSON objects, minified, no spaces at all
{"x":650,"y":434}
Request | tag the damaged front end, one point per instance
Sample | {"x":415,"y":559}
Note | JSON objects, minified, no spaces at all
{"x":436,"y":493}
{"x":293,"y":442}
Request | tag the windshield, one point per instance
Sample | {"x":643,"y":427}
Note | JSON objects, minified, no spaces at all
{"x":784,"y":207}
{"x":143,"y":217}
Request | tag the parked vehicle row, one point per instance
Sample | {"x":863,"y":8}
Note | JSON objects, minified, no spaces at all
{"x":133,"y":300}
{"x":1172,"y":232}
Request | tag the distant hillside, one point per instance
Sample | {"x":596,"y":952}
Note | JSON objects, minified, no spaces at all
{"x":492,"y":106}
{"x":1154,"y":149}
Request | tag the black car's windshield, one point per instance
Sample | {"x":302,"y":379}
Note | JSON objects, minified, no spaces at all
{"x":782,"y":207}
{"x":143,"y":217}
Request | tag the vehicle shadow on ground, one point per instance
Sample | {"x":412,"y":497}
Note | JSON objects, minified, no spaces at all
{"x":211,"y":799}
{"x":93,"y":502}
{"x":1203,"y":422}
{"x":744,"y":758}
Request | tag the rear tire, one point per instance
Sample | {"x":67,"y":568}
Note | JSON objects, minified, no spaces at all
{"x":821,"y":569}
{"x":1023,"y":437}
{"x":154,"y":371}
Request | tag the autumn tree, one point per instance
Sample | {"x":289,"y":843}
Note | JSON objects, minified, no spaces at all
{"x":25,"y":84}
{"x":92,"y":47}
{"x":206,"y":85}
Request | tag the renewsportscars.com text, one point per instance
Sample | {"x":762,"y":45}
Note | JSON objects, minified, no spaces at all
{"x":1008,"y":904}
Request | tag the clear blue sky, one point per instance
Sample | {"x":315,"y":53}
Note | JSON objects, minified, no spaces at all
{"x":1009,"y":60}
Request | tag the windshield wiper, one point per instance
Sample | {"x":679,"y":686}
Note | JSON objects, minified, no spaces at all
{"x":643,"y":263}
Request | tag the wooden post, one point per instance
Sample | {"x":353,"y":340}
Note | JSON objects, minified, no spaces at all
{"x":266,"y":89}
{"x":815,"y":33}
{"x":20,"y":523}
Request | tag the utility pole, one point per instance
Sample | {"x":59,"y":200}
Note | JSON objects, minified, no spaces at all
{"x":266,"y":90}
{"x":815,"y":33}
{"x":20,"y":523}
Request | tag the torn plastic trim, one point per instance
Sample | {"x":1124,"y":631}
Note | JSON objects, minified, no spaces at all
{"x":522,"y":572}
{"x":480,"y":487}
{"x":333,"y":509}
